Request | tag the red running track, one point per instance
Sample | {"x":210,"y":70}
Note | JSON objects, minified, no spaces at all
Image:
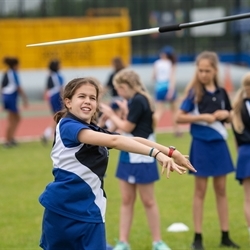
{"x":37,"y":117}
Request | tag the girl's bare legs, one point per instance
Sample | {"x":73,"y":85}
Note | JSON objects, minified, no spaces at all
{"x":246,"y":186}
{"x":174,"y":108}
{"x":222,"y":208}
{"x":221,"y":201}
{"x":198,"y":202}
{"x":150,"y":205}
{"x":200,"y":189}
{"x":13,"y":120}
{"x":128,"y":195}
{"x":159,"y":111}
{"x":48,"y":133}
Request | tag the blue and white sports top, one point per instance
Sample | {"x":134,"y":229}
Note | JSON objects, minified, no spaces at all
{"x":10,"y":82}
{"x":210,"y":102}
{"x":54,"y":84}
{"x":77,"y":190}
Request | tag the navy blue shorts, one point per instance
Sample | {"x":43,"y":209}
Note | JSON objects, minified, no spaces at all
{"x":10,"y":102}
{"x":62,"y":233}
{"x":160,"y":95}
{"x":243,"y":163}
{"x":56,"y":103}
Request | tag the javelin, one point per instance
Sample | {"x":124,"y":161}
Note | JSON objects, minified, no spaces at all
{"x":163,"y":29}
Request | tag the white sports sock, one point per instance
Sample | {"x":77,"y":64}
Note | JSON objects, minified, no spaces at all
{"x":48,"y":132}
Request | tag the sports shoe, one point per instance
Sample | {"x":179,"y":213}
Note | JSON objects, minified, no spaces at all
{"x":14,"y":142}
{"x":197,"y":245}
{"x":228,"y":243}
{"x":160,"y":245}
{"x":44,"y":140}
{"x":121,"y":246}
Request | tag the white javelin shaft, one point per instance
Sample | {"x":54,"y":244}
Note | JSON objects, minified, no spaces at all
{"x":100,"y":37}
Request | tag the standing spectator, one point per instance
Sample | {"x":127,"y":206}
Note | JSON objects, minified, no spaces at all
{"x":165,"y":85}
{"x":53,"y":92}
{"x":117,"y":65}
{"x":207,"y":108}
{"x":75,"y":202}
{"x":11,"y":89}
{"x":241,"y":128}
{"x":136,"y":172}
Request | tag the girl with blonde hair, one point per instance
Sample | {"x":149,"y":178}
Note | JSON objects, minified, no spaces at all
{"x":206,"y":107}
{"x":241,"y":127}
{"x":136,"y":172}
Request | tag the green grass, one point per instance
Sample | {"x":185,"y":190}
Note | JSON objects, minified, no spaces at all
{"x":26,"y":170}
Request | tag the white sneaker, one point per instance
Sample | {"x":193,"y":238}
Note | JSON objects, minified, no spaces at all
{"x":160,"y":245}
{"x":121,"y":246}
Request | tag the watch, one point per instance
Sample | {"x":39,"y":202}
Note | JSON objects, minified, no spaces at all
{"x":171,"y":150}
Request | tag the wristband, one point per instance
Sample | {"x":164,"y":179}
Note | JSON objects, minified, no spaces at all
{"x":150,"y":152}
{"x":157,"y":154}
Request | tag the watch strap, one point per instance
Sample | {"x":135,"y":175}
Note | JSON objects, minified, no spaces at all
{"x":171,"y":151}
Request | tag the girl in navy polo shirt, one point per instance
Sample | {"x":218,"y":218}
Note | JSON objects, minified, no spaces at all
{"x":54,"y":87}
{"x":75,"y":202}
{"x":11,"y":89}
{"x":136,"y":172}
{"x":207,"y":108}
{"x":241,"y":128}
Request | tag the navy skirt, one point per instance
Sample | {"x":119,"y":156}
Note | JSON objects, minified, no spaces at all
{"x":210,"y":158}
{"x":138,"y":173}
{"x":243,"y":163}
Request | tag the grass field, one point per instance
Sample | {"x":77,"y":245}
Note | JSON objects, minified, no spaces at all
{"x":26,"y":170}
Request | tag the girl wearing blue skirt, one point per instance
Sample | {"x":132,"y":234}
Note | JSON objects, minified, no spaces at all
{"x":136,"y":172}
{"x":11,"y":90}
{"x":207,"y":108}
{"x":53,"y":91}
{"x":241,"y":128}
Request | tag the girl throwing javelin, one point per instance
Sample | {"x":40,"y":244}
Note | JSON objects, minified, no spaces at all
{"x":75,"y":202}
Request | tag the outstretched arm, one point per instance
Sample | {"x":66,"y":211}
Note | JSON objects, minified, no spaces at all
{"x":179,"y":158}
{"x":134,"y":146}
{"x":24,"y":97}
{"x":172,"y":83}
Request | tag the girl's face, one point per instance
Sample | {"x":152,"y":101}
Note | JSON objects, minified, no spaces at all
{"x":83,"y":103}
{"x":124,"y":91}
{"x":206,"y":72}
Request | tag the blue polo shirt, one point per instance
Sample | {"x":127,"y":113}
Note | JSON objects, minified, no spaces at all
{"x":210,"y":102}
{"x":77,"y":190}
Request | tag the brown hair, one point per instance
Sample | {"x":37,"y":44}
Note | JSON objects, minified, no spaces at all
{"x":195,"y":84}
{"x":118,"y":63}
{"x":70,"y":90}
{"x":11,"y":62}
{"x":238,"y":102}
